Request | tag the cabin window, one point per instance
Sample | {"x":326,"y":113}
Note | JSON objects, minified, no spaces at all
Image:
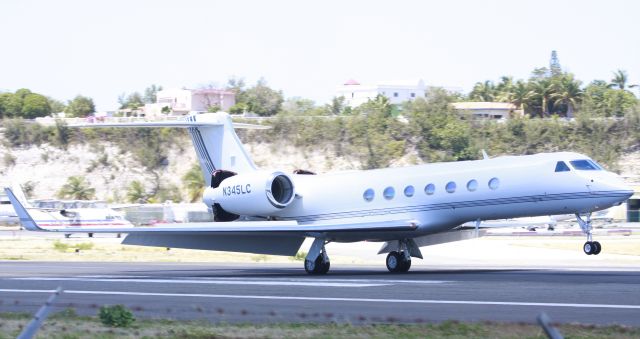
{"x":494,"y":183}
{"x":451,"y":187}
{"x":368,"y":194}
{"x":409,"y":190}
{"x":388,"y":193}
{"x":430,"y":189}
{"x":584,"y":165}
{"x":472,"y":185}
{"x":562,"y":167}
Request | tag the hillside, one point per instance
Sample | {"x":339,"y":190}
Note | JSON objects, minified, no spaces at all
{"x":49,"y":167}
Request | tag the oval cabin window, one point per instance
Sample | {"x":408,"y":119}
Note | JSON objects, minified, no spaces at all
{"x":368,"y":194}
{"x":451,"y":187}
{"x":388,"y":193}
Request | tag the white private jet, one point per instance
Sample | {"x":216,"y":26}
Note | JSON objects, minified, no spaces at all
{"x":53,"y":215}
{"x":270,"y":212}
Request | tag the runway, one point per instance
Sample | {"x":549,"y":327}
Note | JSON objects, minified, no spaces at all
{"x":356,"y":294}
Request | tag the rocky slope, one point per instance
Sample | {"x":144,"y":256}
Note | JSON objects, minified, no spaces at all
{"x":49,"y":167}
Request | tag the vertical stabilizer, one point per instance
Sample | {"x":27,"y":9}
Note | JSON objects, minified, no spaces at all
{"x":19,"y":194}
{"x":217,"y":145}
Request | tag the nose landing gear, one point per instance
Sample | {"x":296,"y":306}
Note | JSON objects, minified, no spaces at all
{"x":590,"y":247}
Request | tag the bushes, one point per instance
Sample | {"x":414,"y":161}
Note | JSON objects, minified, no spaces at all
{"x":116,"y":316}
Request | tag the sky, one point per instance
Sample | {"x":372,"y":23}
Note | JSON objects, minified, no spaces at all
{"x":102,"y":49}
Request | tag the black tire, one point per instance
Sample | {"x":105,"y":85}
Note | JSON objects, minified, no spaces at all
{"x":309,"y":266}
{"x":325,"y":267}
{"x":598,"y":247}
{"x":406,"y":264}
{"x":394,"y":262}
{"x":588,"y":248}
{"x":315,"y":267}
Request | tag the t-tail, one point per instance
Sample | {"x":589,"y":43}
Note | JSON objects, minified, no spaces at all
{"x":216,"y":143}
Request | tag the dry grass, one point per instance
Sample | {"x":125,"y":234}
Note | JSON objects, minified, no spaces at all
{"x":90,"y":327}
{"x":109,"y":249}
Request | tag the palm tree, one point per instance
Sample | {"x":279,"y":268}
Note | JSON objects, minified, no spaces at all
{"x":136,"y":193}
{"x":483,"y":91}
{"x":542,"y":89}
{"x":567,"y":92}
{"x":521,"y":95}
{"x":194,"y":183}
{"x":76,"y":188}
{"x":620,"y":79}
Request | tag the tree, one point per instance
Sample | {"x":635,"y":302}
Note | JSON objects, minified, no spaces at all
{"x":262,"y":100}
{"x":80,"y":106}
{"x":132,"y":101}
{"x":136,"y":193}
{"x":15,"y":102}
{"x":620,"y":79}
{"x":483,"y":91}
{"x":337,"y":105}
{"x":76,"y":188}
{"x":236,"y":85}
{"x":567,"y":92}
{"x":542,"y":89}
{"x":150,"y":93}
{"x":521,"y":96}
{"x":194,"y":182}
{"x":57,"y":106}
{"x":4,"y":104}
{"x":34,"y":106}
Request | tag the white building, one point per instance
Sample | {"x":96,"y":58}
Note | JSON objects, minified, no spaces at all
{"x":356,"y":94}
{"x":182,"y":101}
{"x":489,"y":110}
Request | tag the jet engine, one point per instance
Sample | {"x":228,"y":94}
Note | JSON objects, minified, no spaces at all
{"x":258,"y":193}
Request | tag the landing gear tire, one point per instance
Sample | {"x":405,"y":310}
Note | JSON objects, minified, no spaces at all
{"x":396,"y":262}
{"x":317,"y":266}
{"x":592,"y":247}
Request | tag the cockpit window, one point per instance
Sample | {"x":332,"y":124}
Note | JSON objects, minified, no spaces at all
{"x":562,"y":167}
{"x":585,"y":165}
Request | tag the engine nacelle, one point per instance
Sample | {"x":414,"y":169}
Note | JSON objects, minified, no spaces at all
{"x":254,"y":194}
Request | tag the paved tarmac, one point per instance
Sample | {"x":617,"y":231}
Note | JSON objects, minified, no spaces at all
{"x":258,"y":292}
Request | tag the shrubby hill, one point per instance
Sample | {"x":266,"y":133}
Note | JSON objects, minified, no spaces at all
{"x":158,"y":164}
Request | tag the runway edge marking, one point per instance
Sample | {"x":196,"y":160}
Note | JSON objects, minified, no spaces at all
{"x":270,"y":297}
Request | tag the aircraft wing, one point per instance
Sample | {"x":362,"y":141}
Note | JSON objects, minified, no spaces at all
{"x":237,"y":227}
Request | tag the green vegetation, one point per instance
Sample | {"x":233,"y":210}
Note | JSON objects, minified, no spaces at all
{"x":24,"y":104}
{"x":194,"y":183}
{"x":76,"y":188}
{"x":116,"y":316}
{"x":66,"y":324}
{"x":80,"y":106}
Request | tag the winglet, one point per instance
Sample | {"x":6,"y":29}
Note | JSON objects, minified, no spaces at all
{"x":25,"y":219}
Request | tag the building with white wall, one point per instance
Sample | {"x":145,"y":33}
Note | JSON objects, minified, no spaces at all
{"x":356,"y":94}
{"x":182,"y":101}
{"x":489,"y":110}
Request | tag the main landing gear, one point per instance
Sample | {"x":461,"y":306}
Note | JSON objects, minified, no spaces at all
{"x":317,"y":260}
{"x":590,"y":247}
{"x":399,"y":260}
